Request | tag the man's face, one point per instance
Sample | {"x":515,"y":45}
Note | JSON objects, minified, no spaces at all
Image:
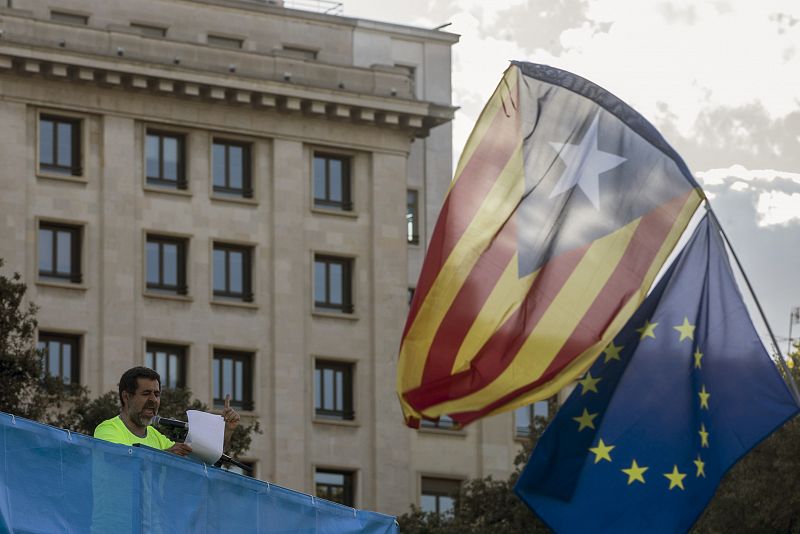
{"x":143,"y":405}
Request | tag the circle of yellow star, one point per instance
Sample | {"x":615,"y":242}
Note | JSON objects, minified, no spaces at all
{"x":704,"y":395}
{"x":703,"y":436}
{"x":612,"y":352}
{"x":586,"y":420}
{"x":648,"y":330}
{"x":589,"y":383}
{"x":701,"y":467}
{"x":686,"y":330}
{"x":697,"y":357}
{"x":675,"y":478}
{"x":602,"y":451}
{"x":635,"y":472}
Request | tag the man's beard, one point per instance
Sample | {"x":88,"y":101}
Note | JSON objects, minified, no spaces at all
{"x":141,"y":420}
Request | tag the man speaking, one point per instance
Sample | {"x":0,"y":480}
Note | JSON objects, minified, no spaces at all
{"x":140,"y":397}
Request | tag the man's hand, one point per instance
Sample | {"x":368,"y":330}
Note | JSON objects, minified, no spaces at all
{"x":181,"y":449}
{"x":230,"y":416}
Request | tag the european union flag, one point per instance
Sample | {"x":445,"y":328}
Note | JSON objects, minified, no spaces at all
{"x":683,"y":392}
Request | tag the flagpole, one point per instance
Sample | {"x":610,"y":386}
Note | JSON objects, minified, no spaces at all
{"x":781,"y":362}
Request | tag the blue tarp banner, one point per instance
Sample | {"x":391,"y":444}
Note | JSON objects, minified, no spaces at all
{"x":52,"y":480}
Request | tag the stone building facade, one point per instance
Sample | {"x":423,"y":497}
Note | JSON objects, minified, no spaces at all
{"x":240,"y":195}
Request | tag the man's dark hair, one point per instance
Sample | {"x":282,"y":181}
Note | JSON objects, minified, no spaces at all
{"x":130,"y":380}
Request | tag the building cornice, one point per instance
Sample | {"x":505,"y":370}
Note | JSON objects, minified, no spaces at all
{"x":119,"y":59}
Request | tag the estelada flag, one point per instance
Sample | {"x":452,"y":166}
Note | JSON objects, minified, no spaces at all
{"x":565,"y":204}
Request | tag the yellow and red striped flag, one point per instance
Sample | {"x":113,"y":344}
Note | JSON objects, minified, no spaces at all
{"x":565,"y":204}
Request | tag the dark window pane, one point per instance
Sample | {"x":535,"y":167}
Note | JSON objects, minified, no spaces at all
{"x":236,"y":271}
{"x":148,"y":359}
{"x":53,"y":358}
{"x":64,"y":252}
{"x":45,"y":250}
{"x":427,"y":503}
{"x":161,"y":362}
{"x":170,"y":158}
{"x":238,"y":380}
{"x":218,"y":159}
{"x":335,"y":180}
{"x":152,"y":263}
{"x":319,"y":282}
{"x":46,"y":142}
{"x":327,"y":402}
{"x":320,"y":191}
{"x":65,"y":144}
{"x":339,"y":391}
{"x":446,"y":504}
{"x":153,"y":156}
{"x":336,"y":280}
{"x":236,"y":166}
{"x":170,"y":252}
{"x":219,"y":270}
{"x":317,"y":389}
{"x":227,"y":378}
{"x":172,"y":371}
{"x":216,"y":378}
{"x":66,"y":363}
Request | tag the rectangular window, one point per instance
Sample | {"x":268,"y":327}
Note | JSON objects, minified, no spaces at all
{"x":233,"y":272}
{"x":69,"y":18}
{"x":149,"y":31}
{"x":224,"y":42}
{"x":166,"y":264}
{"x":530,"y":420}
{"x":164,"y":153}
{"x":299,"y":52}
{"x":332,"y":284}
{"x":444,"y":422}
{"x":336,"y":486}
{"x":233,"y":375}
{"x":438,"y":495}
{"x":60,"y":252}
{"x":333,"y":390}
{"x":231,"y":168}
{"x":332,"y":182}
{"x":412,"y":217}
{"x":169,"y":361}
{"x":61,"y":356}
{"x":60,"y":145}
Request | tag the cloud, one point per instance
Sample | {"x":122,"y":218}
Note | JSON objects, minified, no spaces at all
{"x":773,"y":195}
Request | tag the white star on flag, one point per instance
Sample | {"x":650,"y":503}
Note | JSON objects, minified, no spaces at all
{"x":584,"y":164}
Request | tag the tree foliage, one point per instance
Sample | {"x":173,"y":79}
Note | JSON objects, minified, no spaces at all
{"x":27,"y":392}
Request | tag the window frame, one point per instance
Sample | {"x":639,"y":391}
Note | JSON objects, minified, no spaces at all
{"x":248,"y":253}
{"x":347,"y":306}
{"x":180,"y":183}
{"x":148,"y":30}
{"x":69,"y":17}
{"x":349,"y":485}
{"x":75,"y":150}
{"x":346,"y":205}
{"x":225,"y":41}
{"x":445,"y":422}
{"x":248,"y":367}
{"x":75,"y":276}
{"x":530,"y":432}
{"x":74,"y":340}
{"x":347,"y":411}
{"x":438,"y":493}
{"x":178,"y":350}
{"x":227,"y":191}
{"x":181,"y":287}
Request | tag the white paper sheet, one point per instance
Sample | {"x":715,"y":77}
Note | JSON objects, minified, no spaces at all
{"x":206,"y":435}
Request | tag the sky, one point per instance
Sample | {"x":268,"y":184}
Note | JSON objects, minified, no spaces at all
{"x":720,"y":79}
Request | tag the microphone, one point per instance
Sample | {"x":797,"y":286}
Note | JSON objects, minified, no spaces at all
{"x":174,"y":423}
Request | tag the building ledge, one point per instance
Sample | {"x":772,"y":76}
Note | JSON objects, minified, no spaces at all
{"x":263,"y":81}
